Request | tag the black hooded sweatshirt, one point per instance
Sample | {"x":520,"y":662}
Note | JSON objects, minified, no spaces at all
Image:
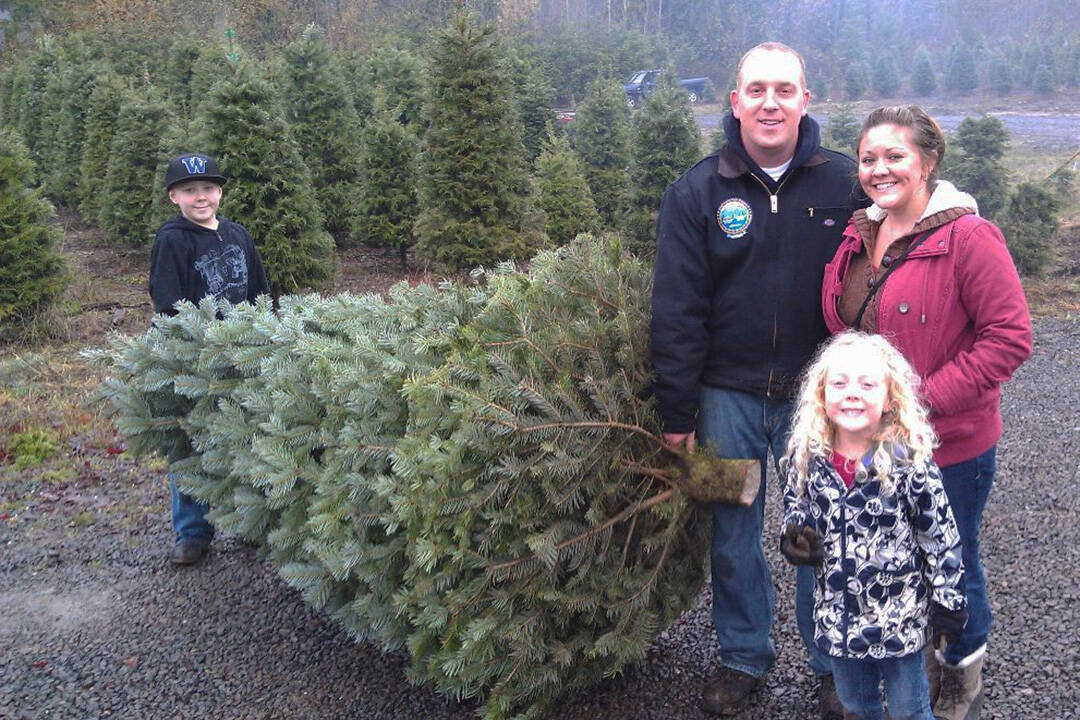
{"x":191,"y":262}
{"x":739,"y":266}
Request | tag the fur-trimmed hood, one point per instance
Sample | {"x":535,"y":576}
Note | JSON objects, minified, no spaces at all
{"x":945,"y":197}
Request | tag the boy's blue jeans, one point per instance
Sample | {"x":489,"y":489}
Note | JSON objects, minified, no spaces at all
{"x":906,"y":688}
{"x":188,"y":516}
{"x":735,"y":424}
{"x":967,"y":485}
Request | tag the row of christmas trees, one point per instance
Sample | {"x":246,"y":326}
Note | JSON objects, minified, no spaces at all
{"x":451,"y":149}
{"x":473,"y":472}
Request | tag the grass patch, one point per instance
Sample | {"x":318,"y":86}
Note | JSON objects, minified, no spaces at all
{"x":83,"y":519}
{"x":30,"y":448}
{"x":58,"y":475}
{"x":48,"y":402}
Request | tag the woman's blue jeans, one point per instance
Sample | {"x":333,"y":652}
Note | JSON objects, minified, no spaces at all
{"x":906,"y":688}
{"x":967,"y":485}
{"x":735,"y":424}
{"x":188,"y":516}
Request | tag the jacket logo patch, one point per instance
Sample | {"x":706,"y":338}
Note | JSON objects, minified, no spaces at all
{"x":734,"y":217}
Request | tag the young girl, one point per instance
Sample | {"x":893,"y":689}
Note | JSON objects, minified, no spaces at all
{"x":864,"y":501}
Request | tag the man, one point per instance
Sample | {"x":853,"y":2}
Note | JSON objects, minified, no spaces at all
{"x":742,"y":242}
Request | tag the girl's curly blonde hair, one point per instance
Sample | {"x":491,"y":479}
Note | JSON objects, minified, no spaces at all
{"x":905,"y":434}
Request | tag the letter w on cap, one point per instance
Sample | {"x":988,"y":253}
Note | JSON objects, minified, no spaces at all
{"x":195,"y":164}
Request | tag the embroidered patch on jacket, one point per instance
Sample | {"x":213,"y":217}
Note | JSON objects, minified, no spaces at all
{"x":734,"y":216}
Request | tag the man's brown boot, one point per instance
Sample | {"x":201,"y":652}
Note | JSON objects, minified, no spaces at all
{"x":728,"y":691}
{"x":829,"y":705}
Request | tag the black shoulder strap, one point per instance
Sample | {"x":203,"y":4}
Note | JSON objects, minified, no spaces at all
{"x":888,"y":271}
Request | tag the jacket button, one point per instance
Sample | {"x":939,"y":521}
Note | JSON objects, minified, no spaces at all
{"x":886,"y":261}
{"x":903,"y":308}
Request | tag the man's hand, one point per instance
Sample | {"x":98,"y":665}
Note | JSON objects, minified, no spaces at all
{"x":677,"y":441}
{"x":802,"y":546}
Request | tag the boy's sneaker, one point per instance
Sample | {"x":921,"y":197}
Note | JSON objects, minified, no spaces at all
{"x":188,"y":551}
{"x":727,"y":692}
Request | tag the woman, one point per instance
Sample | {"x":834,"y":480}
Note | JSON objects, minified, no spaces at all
{"x":922,"y":268}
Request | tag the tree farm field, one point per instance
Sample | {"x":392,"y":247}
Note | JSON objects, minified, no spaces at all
{"x":65,"y":473}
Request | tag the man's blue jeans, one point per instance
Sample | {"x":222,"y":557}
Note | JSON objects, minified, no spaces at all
{"x":967,"y":485}
{"x":188,"y":516}
{"x":906,"y":687}
{"x":735,"y":424}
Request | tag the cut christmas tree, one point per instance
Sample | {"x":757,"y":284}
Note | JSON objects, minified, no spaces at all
{"x":475,"y":469}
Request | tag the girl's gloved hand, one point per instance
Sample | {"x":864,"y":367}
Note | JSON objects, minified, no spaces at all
{"x":802,"y":546}
{"x":945,"y":623}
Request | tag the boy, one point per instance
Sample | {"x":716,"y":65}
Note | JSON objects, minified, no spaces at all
{"x":197,"y":255}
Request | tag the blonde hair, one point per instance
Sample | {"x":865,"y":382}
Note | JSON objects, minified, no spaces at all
{"x":771,"y":46}
{"x":905,"y":434}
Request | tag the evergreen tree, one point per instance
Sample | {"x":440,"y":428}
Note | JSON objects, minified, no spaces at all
{"x":527,"y":446}
{"x":977,"y":166}
{"x":361,"y":83}
{"x":1044,"y":82}
{"x":398,"y":73}
{"x":666,"y":142}
{"x":32,"y":272}
{"x":884,"y":77}
{"x":320,"y":111}
{"x":125,"y":202}
{"x":961,"y":74}
{"x":999,"y":74}
{"x":386,"y":201}
{"x":600,"y":134}
{"x":563,"y":193}
{"x":1030,"y":224}
{"x":1033,"y":55}
{"x":213,"y":62}
{"x":473,"y":184}
{"x":855,"y":81}
{"x":843,"y":129}
{"x":35,"y":107}
{"x":13,"y":80}
{"x":179,"y":75}
{"x":1071,"y":63}
{"x":923,"y":76}
{"x":535,"y":96}
{"x":717,"y":139}
{"x":450,"y":468}
{"x":102,"y":111}
{"x":269,"y":190}
{"x":77,"y":75}
{"x":224,"y":404}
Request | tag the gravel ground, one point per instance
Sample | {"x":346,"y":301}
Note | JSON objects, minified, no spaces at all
{"x":95,"y":623}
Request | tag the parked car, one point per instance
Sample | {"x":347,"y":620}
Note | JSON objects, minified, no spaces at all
{"x":642,"y":83}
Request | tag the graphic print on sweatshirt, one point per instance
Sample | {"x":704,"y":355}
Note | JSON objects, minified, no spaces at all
{"x":225,"y":272}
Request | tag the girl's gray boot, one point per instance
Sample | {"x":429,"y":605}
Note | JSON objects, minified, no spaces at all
{"x":961,"y":693}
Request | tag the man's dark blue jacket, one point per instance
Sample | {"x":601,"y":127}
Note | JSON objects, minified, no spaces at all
{"x":739,"y":265}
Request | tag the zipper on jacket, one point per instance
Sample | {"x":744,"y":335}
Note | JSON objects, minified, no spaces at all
{"x":774,"y":208}
{"x":768,"y":384}
{"x":843,"y":556}
{"x":774,"y":201}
